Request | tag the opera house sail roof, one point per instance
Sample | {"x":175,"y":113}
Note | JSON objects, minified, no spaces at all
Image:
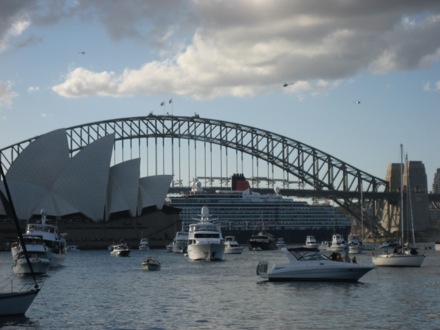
{"x":44,"y":176}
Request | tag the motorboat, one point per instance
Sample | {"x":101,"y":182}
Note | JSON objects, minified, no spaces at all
{"x":355,"y":244}
{"x":337,"y":243}
{"x":389,"y":244}
{"x":262,"y":241}
{"x":437,"y":245}
{"x":37,"y":253}
{"x":232,"y":246}
{"x":73,"y":248}
{"x":311,"y":242}
{"x":169,"y":247}
{"x":307,"y":264}
{"x":151,"y":263}
{"x":144,"y":245}
{"x":120,"y":250}
{"x":280,"y":243}
{"x":205,"y":240}
{"x":55,"y":241}
{"x":180,"y":242}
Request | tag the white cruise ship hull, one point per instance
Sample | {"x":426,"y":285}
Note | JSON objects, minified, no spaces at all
{"x":206,"y":251}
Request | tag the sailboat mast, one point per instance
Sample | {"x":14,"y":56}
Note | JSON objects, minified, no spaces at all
{"x":401,"y":194}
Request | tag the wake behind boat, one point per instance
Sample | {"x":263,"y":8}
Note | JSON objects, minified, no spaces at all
{"x":205,"y":241}
{"x":307,"y":264}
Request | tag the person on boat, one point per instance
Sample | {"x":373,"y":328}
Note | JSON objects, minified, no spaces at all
{"x":354,"y":260}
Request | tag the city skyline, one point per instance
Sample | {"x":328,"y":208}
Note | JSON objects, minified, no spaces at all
{"x":362,"y":78}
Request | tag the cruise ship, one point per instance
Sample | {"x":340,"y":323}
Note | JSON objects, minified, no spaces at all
{"x":243,"y":213}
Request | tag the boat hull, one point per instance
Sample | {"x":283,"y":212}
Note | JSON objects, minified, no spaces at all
{"x":39,"y":266}
{"x":345,"y":272}
{"x":206,"y":251}
{"x":16,"y":303}
{"x":398,"y":260}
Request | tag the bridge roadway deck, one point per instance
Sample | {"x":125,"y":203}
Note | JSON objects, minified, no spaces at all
{"x":392,"y":197}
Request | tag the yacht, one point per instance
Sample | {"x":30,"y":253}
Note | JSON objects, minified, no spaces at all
{"x":143,"y":244}
{"x":306,"y":264}
{"x":262,"y":241}
{"x":120,"y":250}
{"x":180,"y":242}
{"x":311,"y":242}
{"x":337,"y":244}
{"x":232,"y":246}
{"x":355,"y":244}
{"x":37,"y":253}
{"x":55,"y":242}
{"x":205,"y":240}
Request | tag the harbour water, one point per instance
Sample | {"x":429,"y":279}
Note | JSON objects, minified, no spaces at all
{"x":96,"y":291}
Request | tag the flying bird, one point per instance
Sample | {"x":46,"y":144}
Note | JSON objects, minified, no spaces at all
{"x":357,"y":102}
{"x":82,"y":53}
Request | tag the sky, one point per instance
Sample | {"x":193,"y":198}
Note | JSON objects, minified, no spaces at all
{"x":362,"y":76}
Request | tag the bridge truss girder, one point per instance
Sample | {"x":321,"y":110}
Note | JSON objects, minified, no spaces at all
{"x":311,"y":167}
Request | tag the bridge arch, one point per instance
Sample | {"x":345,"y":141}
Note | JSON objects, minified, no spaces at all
{"x":284,"y":159}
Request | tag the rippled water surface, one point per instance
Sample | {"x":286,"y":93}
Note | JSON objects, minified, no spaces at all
{"x":96,"y":291}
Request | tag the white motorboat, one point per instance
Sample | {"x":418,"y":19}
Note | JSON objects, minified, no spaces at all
{"x":437,"y":245}
{"x":151,"y":263}
{"x":311,"y":242}
{"x":180,"y":243}
{"x":72,"y":248}
{"x":337,"y":244}
{"x":38,"y":256}
{"x":306,"y":264}
{"x":232,"y":246}
{"x":55,"y":241}
{"x":144,"y":244}
{"x":280,"y":243}
{"x":120,"y":250}
{"x":355,"y":244}
{"x":205,"y":241}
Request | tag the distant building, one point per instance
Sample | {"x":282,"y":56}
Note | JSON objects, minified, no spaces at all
{"x":44,"y":176}
{"x":436,"y":183}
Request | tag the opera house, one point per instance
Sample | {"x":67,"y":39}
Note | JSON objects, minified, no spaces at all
{"x":90,"y":200}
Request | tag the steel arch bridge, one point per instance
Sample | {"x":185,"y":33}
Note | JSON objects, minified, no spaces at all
{"x":212,"y":150}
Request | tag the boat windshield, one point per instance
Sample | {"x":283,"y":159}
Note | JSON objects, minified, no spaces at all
{"x":307,"y":254}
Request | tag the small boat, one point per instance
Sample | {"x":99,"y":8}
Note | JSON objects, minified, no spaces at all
{"x":280,"y":243}
{"x":232,"y":246}
{"x":72,"y":248}
{"x":337,"y":244}
{"x":144,"y":245}
{"x":120,"y":250}
{"x":37,"y":253}
{"x":180,"y":242}
{"x":169,"y":247}
{"x":205,"y":240}
{"x":311,"y":242}
{"x":437,"y":245}
{"x":355,"y":245}
{"x":262,"y":241}
{"x":151,"y":263}
{"x":307,"y":264}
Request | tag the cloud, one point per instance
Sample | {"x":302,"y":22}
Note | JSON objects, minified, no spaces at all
{"x":6,"y":94}
{"x":208,"y":49}
{"x":429,"y":87}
